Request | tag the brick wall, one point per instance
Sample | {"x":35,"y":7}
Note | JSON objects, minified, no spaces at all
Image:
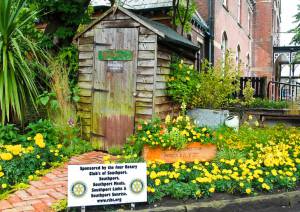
{"x":226,"y":20}
{"x":264,"y":25}
{"x":202,"y":6}
{"x":262,"y":35}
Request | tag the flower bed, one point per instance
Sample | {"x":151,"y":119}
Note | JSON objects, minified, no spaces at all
{"x":172,"y":134}
{"x":28,"y":156}
{"x":248,"y":162}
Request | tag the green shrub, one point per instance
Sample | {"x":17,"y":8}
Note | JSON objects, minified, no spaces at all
{"x":40,"y":148}
{"x":115,"y":150}
{"x":212,"y":88}
{"x":9,"y":135}
{"x":268,"y":104}
{"x":248,"y":93}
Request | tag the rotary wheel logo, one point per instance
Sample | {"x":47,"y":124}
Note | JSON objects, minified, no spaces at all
{"x":78,"y":189}
{"x":136,"y":186}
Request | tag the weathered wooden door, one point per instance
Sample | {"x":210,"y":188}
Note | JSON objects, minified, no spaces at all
{"x":114,"y":85}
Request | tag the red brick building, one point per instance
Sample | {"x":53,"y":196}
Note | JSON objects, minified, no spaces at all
{"x":266,"y":23}
{"x":230,"y":23}
{"x":246,"y":27}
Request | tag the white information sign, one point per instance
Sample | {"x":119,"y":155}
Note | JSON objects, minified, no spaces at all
{"x":106,"y":184}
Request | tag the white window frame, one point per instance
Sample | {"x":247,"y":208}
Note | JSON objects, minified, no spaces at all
{"x":239,"y":7}
{"x":224,"y":45}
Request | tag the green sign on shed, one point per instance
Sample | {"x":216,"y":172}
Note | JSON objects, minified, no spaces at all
{"x":124,"y":55}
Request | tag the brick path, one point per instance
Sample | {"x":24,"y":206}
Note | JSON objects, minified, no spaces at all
{"x":49,"y":189}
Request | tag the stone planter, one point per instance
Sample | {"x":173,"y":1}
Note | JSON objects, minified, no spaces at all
{"x":208,"y":118}
{"x":193,"y":151}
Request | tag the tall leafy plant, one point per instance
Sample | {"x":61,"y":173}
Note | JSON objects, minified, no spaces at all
{"x":212,"y":88}
{"x":19,"y":56}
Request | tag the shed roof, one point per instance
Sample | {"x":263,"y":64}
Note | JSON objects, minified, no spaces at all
{"x":170,"y":34}
{"x":136,"y":4}
{"x":148,"y":5}
{"x":164,"y":32}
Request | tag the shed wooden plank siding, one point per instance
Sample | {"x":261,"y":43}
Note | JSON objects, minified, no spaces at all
{"x":98,"y":86}
{"x":146,"y":73}
{"x":85,"y":74}
{"x":162,"y":103}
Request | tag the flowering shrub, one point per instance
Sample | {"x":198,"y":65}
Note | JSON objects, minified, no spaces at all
{"x":173,"y":133}
{"x":43,"y":148}
{"x":18,"y":162}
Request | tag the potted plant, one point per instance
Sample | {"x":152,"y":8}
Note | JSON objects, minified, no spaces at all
{"x":172,"y":140}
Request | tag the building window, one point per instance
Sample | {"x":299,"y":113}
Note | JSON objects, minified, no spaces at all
{"x":224,"y":45}
{"x":200,"y":56}
{"x":238,"y":55}
{"x":248,"y":65}
{"x":239,"y":11}
{"x":189,"y":37}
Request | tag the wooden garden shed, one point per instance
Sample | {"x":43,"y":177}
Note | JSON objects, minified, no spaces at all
{"x":124,"y":63}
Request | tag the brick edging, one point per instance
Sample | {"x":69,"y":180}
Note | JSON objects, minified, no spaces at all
{"x":49,"y":189}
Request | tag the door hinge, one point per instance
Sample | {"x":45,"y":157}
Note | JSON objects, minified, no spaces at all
{"x":100,"y":90}
{"x":96,"y":135}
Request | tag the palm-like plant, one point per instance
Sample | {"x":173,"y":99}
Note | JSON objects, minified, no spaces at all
{"x":19,"y":56}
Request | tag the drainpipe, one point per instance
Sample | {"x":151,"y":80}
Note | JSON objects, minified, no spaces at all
{"x":211,"y":23}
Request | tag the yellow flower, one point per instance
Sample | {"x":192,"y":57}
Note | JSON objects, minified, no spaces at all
{"x":250,"y":117}
{"x":15,"y":150}
{"x":153,"y":175}
{"x":198,"y":193}
{"x":166,"y":181}
{"x":248,"y":190}
{"x":157,"y":182}
{"x":29,"y":138}
{"x":40,"y":143}
{"x":212,"y":190}
{"x":274,"y":172}
{"x":30,"y":148}
{"x":260,"y":180}
{"x":30,"y":177}
{"x":4,"y":185}
{"x":168,"y":119}
{"x":38,"y":156}
{"x":6,"y":156}
{"x":1,"y":174}
{"x":59,"y":146}
{"x":242,"y":185}
{"x":44,"y":163}
{"x":39,"y":137}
